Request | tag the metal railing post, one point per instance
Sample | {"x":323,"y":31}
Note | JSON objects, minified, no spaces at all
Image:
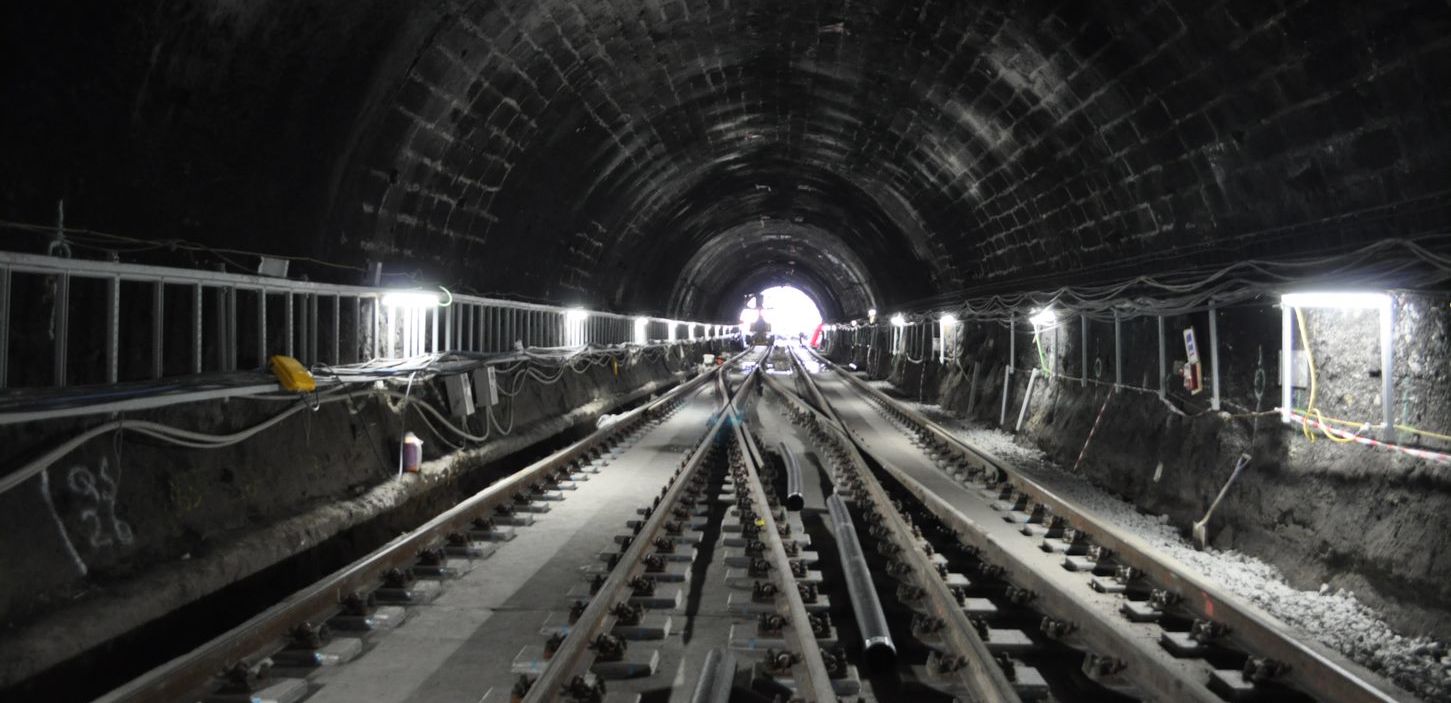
{"x":1214,"y":355}
{"x":61,"y":322}
{"x":4,"y":327}
{"x":158,"y":328}
{"x":337,"y":328}
{"x":196,"y":328}
{"x":113,"y":330}
{"x":1163,"y":361}
{"x":287,"y":320}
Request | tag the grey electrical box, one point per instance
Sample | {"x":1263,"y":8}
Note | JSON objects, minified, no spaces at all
{"x":460,"y":396}
{"x":486,"y":387}
{"x":269,"y":266}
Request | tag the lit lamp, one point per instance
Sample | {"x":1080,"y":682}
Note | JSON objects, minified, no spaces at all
{"x":1043,"y":318}
{"x":1339,"y":300}
{"x":641,"y":323}
{"x":410,"y":299}
{"x":411,"y":306}
{"x":948,"y":322}
{"x":899,"y":325}
{"x":574,"y":331}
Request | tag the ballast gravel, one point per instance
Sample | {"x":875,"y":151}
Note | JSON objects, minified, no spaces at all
{"x":1336,"y":618}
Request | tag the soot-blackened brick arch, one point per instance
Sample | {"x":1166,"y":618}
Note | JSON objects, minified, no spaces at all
{"x":671,"y":155}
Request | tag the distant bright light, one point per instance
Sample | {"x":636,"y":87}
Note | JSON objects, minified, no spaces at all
{"x":787,"y":310}
{"x":410,"y":299}
{"x":898,"y":320}
{"x":872,"y":315}
{"x":1044,"y":318}
{"x":576,"y":315}
{"x":1345,"y":300}
{"x":948,"y":320}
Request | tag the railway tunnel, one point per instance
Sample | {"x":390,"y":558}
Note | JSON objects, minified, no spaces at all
{"x":337,"y":339}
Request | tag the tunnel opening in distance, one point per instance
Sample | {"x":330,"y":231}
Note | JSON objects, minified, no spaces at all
{"x":787,"y":311}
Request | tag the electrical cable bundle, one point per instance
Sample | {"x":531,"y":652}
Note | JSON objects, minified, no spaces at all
{"x":345,"y":378}
{"x":1409,"y":263}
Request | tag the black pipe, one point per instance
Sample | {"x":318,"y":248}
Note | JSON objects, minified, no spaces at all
{"x":878,"y":650}
{"x":794,"y":499}
{"x":716,"y":678}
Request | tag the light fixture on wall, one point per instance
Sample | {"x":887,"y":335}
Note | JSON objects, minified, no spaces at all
{"x":410,"y":299}
{"x":1045,"y":317}
{"x":872,"y":316}
{"x":949,"y":337}
{"x":407,"y":320}
{"x":641,"y":330}
{"x":898,"y":320}
{"x":574,"y":327}
{"x":1338,"y":300}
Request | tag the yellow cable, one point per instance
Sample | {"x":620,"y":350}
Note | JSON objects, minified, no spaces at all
{"x":1424,"y":433}
{"x":1310,"y":406}
{"x":1326,"y":421}
{"x":1357,"y":425}
{"x":1310,"y":362}
{"x":1325,"y":430}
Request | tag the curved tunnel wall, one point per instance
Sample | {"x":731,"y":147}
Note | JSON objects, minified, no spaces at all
{"x":587,"y":152}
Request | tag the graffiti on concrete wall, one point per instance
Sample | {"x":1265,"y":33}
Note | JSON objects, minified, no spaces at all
{"x":90,"y":503}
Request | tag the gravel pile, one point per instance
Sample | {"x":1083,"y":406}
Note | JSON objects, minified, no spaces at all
{"x":1336,"y":618}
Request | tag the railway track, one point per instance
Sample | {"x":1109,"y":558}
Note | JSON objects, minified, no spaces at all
{"x":781,"y":616}
{"x":1145,"y":626}
{"x":279,"y":654}
{"x":702,"y":562}
{"x":964,"y":665}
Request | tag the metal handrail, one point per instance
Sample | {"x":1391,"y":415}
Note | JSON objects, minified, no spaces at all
{"x":312,"y":326}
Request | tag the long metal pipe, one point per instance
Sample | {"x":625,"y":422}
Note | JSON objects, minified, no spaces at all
{"x":794,"y":499}
{"x":877,"y":646}
{"x":980,"y":678}
{"x":716,"y":678}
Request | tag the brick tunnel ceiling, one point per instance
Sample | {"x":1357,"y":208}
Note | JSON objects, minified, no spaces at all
{"x":671,"y":156}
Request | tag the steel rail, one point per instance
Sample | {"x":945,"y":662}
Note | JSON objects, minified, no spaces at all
{"x":572,"y":655}
{"x":189,"y":672}
{"x":980,"y":676}
{"x":1096,"y":630}
{"x":1312,"y":667}
{"x":816,"y":685}
{"x":1142,"y":656}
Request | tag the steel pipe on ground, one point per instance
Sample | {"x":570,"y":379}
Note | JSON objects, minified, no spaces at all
{"x":878,"y":650}
{"x":716,"y":678}
{"x":794,"y":498}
